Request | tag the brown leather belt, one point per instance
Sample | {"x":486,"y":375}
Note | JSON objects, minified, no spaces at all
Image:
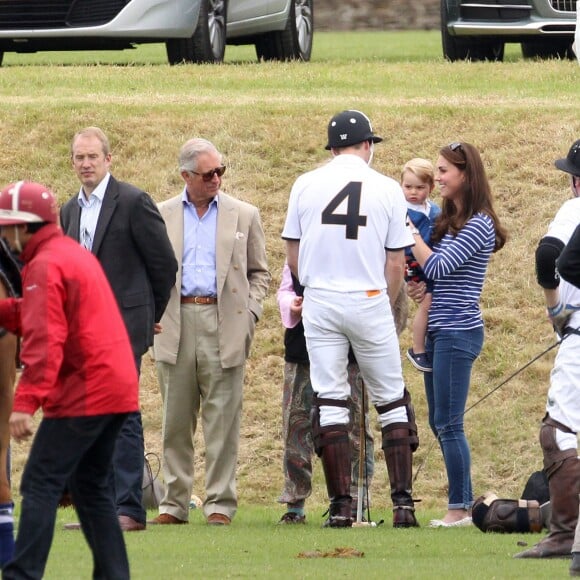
{"x":198,"y":300}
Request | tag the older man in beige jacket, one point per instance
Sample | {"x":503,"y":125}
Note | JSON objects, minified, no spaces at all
{"x":207,"y":330}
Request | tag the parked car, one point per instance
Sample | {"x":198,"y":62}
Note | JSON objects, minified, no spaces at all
{"x":192,"y":30}
{"x":479,"y":29}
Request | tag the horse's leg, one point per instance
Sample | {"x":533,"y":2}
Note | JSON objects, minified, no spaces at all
{"x":8,"y":344}
{"x":7,"y":376}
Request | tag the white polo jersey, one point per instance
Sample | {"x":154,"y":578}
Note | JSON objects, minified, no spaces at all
{"x":562,"y":227}
{"x":563,"y":401}
{"x":345,"y":215}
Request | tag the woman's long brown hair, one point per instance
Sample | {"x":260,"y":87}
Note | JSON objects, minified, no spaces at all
{"x":476,"y":196}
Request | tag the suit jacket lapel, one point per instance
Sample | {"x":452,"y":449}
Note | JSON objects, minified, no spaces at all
{"x":225,"y":237}
{"x":173,"y":216}
{"x":75,"y":221}
{"x":106,"y":213}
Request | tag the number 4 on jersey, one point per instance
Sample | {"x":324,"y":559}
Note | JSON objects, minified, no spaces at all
{"x":352,"y":218}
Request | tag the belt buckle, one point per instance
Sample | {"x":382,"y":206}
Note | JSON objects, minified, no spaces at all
{"x":198,"y":300}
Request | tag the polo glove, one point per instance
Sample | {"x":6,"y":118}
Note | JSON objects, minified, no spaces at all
{"x":560,"y":315}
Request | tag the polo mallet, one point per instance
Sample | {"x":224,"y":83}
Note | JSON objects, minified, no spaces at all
{"x":362,"y":468}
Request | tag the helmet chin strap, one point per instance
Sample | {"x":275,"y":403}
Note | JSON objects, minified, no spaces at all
{"x":17,"y":244}
{"x":372,"y":150}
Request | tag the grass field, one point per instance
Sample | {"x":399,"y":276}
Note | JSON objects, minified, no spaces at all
{"x":254,"y":547}
{"x":392,"y":46}
{"x":269,"y":120}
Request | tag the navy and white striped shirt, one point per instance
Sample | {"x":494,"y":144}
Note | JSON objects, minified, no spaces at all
{"x":457,"y":267}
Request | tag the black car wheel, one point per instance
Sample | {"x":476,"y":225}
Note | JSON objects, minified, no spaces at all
{"x":208,"y":43}
{"x":484,"y":49}
{"x":468,"y":47}
{"x":453,"y":48}
{"x":548,"y":49}
{"x":295,"y":41}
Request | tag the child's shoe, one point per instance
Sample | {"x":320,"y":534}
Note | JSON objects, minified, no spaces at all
{"x":420,"y":361}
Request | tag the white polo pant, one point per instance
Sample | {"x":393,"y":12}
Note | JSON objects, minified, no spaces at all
{"x":563,"y":402}
{"x":332,"y":321}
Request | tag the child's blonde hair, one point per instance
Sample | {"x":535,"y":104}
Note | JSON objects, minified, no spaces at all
{"x":421,"y":168}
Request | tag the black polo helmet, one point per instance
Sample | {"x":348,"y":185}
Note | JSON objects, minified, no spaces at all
{"x":570,"y":163}
{"x":349,"y":128}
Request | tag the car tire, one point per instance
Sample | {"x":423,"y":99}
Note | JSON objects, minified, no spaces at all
{"x":295,"y":41}
{"x":474,"y":49}
{"x":453,"y":47}
{"x":492,"y":50}
{"x":561,"y":49}
{"x":467,"y":47}
{"x":208,"y":43}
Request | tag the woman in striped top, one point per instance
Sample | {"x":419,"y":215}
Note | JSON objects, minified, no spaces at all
{"x":465,"y":235}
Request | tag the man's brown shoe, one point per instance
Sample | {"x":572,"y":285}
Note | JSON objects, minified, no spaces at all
{"x":128,"y":524}
{"x":166,"y":519}
{"x":217,"y":519}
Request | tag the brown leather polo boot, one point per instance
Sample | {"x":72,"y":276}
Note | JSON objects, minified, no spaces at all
{"x":399,"y":459}
{"x":335,"y":457}
{"x":564,"y":486}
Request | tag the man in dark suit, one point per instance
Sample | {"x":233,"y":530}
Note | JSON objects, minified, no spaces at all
{"x":121,"y":225}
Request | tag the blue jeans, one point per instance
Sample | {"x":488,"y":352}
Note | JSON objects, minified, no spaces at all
{"x":453,"y":353}
{"x":79,"y":451}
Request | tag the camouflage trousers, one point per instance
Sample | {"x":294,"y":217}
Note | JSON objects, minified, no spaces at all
{"x":297,"y":433}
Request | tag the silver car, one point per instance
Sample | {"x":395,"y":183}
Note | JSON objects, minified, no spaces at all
{"x":192,"y":30}
{"x":479,"y":29}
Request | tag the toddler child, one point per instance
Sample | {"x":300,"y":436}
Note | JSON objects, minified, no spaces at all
{"x":418,"y":181}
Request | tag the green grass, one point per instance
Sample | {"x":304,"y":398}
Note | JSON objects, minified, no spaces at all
{"x":335,"y":47}
{"x":255,"y":547}
{"x":270,"y":121}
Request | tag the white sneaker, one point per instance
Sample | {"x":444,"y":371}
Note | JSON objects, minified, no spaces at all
{"x":466,"y":521}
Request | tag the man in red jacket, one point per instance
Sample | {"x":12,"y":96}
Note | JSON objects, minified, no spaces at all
{"x":79,"y":368}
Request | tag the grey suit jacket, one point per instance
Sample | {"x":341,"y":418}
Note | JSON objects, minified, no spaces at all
{"x":242,"y":279}
{"x":133,"y":248}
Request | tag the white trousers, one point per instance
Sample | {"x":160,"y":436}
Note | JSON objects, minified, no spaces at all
{"x":332,"y":321}
{"x":563,"y":402}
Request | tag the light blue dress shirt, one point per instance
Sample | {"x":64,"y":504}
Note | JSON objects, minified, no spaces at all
{"x":198,"y":267}
{"x":90,"y":210}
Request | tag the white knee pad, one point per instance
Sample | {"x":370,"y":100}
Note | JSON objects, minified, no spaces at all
{"x":397,"y":415}
{"x":566,"y":440}
{"x":333,"y":415}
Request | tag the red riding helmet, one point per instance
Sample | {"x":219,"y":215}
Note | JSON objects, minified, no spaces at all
{"x":26,"y":202}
